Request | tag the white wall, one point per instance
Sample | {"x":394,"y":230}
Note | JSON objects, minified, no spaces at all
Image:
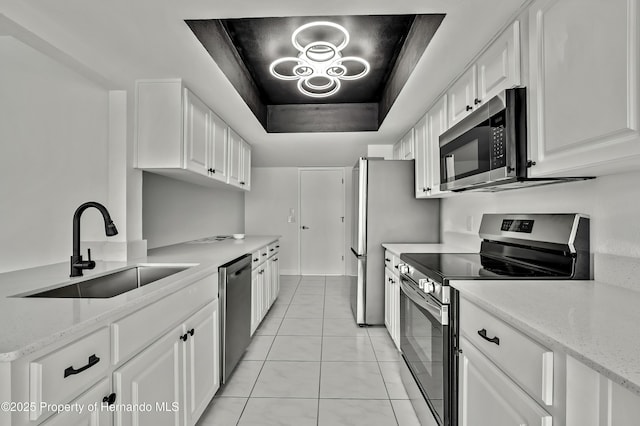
{"x":174,"y":211}
{"x":274,"y":190}
{"x":53,"y":156}
{"x":612,"y":202}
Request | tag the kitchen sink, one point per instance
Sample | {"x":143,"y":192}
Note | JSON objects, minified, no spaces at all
{"x":113,"y":284}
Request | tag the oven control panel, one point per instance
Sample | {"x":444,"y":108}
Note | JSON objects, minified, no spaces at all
{"x":517,"y":225}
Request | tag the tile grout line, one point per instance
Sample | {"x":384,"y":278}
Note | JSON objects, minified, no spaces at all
{"x":324,"y":302}
{"x":384,"y":382}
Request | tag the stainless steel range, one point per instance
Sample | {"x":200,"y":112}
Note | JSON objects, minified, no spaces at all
{"x":514,"y":246}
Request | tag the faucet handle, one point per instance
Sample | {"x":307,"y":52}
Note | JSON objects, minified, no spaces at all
{"x":90,"y":263}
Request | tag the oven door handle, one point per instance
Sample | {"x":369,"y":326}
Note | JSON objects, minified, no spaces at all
{"x":440,"y":313}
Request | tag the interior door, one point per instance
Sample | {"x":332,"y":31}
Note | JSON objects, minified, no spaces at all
{"x":322,"y":218}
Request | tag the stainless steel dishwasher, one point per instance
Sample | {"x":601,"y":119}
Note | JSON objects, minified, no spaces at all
{"x":235,"y":312}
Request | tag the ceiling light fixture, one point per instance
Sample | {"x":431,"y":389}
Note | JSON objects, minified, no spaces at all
{"x":319,"y":66}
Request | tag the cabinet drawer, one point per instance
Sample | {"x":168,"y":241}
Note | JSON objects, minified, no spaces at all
{"x":132,"y":333}
{"x":525,"y":361}
{"x":60,"y":375}
{"x":273,"y":248}
{"x":256,"y":258}
{"x":99,"y":417}
{"x":388,"y":259}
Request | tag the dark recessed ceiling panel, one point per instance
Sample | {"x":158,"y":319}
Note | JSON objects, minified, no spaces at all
{"x":377,"y":39}
{"x":245,"y":48}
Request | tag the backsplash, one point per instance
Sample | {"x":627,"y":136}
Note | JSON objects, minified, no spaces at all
{"x":612,"y":202}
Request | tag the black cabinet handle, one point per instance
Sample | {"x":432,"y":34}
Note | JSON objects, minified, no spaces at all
{"x":275,"y":260}
{"x":483,"y":334}
{"x":476,"y":101}
{"x":184,"y":337}
{"x":70,"y":371}
{"x":387,"y":260}
{"x":469,"y":107}
{"x":256,"y":259}
{"x":191,"y":332}
{"x":213,"y":170}
{"x":271,"y":249}
{"x":264,"y":254}
{"x":396,"y":266}
{"x":277,"y":246}
{"x":110,"y":400}
{"x":242,"y":183}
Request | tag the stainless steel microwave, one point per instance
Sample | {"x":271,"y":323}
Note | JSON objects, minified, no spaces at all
{"x":487,"y":150}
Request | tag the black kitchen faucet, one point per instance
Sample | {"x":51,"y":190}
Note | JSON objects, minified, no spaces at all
{"x":77,"y":264}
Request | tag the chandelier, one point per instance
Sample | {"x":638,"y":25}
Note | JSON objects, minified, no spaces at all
{"x":320,"y":66}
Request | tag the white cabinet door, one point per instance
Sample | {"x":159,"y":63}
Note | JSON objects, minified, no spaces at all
{"x":275,"y":277}
{"x":395,"y":310}
{"x":422,"y":164}
{"x":235,"y":157}
{"x":461,"y":96}
{"x":407,"y":146}
{"x":387,"y":301}
{"x":196,"y":134}
{"x":397,"y":147}
{"x":584,"y":83}
{"x":255,"y":299}
{"x":437,"y":124}
{"x":99,"y":417}
{"x":594,"y":400}
{"x":155,"y":375}
{"x":245,"y":176}
{"x":499,"y":66}
{"x":487,"y":397}
{"x":202,"y":361}
{"x":266,"y":285}
{"x":217,"y":164}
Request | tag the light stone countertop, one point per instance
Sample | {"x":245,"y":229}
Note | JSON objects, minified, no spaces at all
{"x":398,"y":249}
{"x":595,"y":323}
{"x":29,"y":324}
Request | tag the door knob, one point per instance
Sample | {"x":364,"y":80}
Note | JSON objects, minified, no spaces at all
{"x":304,"y":227}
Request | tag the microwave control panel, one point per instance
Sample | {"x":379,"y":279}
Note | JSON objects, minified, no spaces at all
{"x":498,"y":154}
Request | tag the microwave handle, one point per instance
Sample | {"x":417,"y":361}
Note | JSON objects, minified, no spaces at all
{"x":449,"y":167}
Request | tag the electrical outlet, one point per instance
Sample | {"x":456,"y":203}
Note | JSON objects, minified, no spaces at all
{"x":469,"y":223}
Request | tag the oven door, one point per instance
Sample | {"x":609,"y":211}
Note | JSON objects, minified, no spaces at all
{"x":426,"y":348}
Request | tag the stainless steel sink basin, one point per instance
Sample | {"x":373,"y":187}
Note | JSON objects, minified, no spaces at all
{"x":113,"y":284}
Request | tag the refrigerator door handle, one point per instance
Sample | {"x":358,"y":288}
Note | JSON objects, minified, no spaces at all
{"x":358,"y":256}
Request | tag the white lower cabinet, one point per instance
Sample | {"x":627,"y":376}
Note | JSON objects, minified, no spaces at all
{"x":594,"y":400}
{"x":265,"y":282}
{"x":392,"y":302}
{"x":98,"y":416}
{"x":487,"y":397}
{"x":172,"y":381}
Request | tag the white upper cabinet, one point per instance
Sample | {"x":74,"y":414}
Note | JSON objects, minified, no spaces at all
{"x":584,"y":84}
{"x":423,"y":162}
{"x":179,"y":136}
{"x":196,"y":133}
{"x":427,"y":149}
{"x":498,"y":68}
{"x":461,"y":96}
{"x":217,"y":165}
{"x":239,"y":161}
{"x":404,"y":148}
{"x":437,"y":124}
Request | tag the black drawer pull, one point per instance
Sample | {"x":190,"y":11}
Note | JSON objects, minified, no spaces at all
{"x":192,"y":331}
{"x":70,"y":371}
{"x":264,"y":254}
{"x":387,"y":260}
{"x":110,"y":400}
{"x":256,"y":259}
{"x":483,"y":334}
{"x":271,"y":249}
{"x":184,"y":337}
{"x":277,"y":246}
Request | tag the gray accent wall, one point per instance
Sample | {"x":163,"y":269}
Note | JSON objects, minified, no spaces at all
{"x":174,"y":211}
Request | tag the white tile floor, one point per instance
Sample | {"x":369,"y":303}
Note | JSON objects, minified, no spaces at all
{"x":310,"y":364}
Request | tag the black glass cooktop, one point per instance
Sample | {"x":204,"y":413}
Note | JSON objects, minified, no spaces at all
{"x":440,"y":266}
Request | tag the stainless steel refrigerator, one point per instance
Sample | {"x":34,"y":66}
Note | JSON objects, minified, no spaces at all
{"x":385,"y":210}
